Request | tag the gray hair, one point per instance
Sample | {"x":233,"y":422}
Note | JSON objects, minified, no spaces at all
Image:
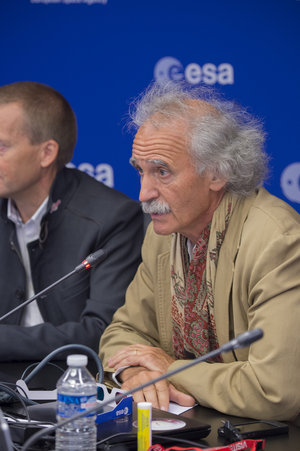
{"x":223,"y":138}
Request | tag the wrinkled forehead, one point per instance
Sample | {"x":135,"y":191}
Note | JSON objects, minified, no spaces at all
{"x":164,"y":142}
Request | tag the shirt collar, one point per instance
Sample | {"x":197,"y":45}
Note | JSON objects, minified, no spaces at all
{"x":190,"y":248}
{"x":14,"y":215}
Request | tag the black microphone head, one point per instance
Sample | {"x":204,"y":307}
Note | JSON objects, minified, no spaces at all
{"x":96,"y":257}
{"x":92,"y":260}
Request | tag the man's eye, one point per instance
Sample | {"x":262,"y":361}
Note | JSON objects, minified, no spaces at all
{"x":163,"y":172}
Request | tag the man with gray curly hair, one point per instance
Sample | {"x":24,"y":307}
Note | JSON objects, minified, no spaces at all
{"x":220,"y":257}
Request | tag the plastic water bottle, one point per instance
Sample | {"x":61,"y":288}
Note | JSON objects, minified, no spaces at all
{"x":76,"y":392}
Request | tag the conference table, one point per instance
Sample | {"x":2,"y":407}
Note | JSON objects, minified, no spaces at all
{"x":47,"y":377}
{"x":285,"y":442}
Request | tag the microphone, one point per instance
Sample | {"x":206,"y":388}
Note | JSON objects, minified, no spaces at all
{"x":241,"y":341}
{"x":90,"y":261}
{"x":244,"y":339}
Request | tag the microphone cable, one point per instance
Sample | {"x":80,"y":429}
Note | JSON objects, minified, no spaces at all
{"x":7,"y":394}
{"x":65,"y":348}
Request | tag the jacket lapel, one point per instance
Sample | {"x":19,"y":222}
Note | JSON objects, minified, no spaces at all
{"x":225,"y":272}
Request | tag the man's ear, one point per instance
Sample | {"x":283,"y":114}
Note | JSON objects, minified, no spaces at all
{"x":217,"y":183}
{"x":49,"y":153}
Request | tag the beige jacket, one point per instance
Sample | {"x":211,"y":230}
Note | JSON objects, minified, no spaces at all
{"x":257,"y":286}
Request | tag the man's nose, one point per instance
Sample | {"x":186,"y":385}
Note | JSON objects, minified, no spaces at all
{"x":148,"y":189}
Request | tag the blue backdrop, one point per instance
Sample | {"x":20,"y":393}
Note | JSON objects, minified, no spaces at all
{"x":102,"y":53}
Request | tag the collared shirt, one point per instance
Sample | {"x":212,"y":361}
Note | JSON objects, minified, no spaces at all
{"x":190,"y":248}
{"x":26,"y":233}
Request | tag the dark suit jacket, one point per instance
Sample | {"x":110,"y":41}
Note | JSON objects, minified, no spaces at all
{"x":83,"y":215}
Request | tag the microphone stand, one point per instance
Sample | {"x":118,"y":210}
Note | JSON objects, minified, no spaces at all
{"x":90,"y":261}
{"x":240,"y":341}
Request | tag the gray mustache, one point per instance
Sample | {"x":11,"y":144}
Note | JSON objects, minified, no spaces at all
{"x":156,"y":207}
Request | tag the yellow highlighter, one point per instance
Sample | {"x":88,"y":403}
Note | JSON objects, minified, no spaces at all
{"x":144,"y":435}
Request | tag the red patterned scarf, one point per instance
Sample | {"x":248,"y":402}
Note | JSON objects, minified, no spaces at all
{"x":192,"y":286}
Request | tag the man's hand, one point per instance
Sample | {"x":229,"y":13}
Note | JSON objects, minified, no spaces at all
{"x":147,"y":363}
{"x":154,"y":359}
{"x":157,"y":394}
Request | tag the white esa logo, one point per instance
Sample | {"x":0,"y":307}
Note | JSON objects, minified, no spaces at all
{"x":290,"y":182}
{"x":169,"y":68}
{"x":102,"y":172}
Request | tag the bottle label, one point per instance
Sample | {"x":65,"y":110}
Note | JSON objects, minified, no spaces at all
{"x":68,"y":405}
